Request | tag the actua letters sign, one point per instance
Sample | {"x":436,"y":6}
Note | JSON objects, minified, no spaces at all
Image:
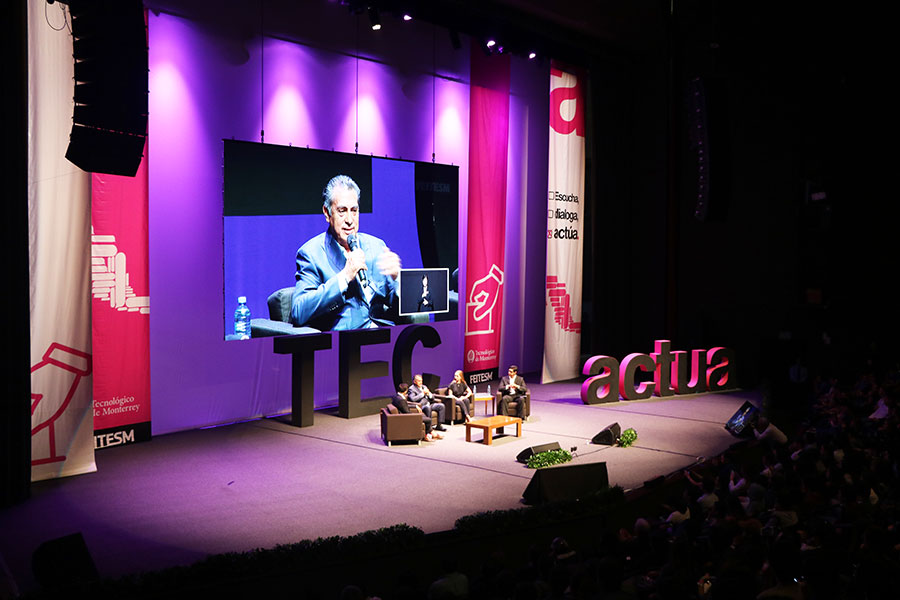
{"x":674,"y":372}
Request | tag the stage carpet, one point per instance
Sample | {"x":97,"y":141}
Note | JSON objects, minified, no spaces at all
{"x":183,"y":496}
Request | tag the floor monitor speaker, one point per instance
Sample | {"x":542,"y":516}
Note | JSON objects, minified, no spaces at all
{"x":608,"y":436}
{"x":527,"y":453}
{"x":566,"y":482}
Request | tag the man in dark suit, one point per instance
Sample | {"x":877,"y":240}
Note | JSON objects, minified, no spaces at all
{"x":512,"y":386}
{"x":421,"y":395}
{"x":400,"y":401}
{"x":345,"y":279}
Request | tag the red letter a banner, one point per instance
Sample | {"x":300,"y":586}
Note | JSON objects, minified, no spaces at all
{"x":488,"y":135}
{"x":565,"y":214}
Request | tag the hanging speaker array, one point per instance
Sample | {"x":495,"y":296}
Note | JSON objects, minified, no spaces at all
{"x":109,"y":122}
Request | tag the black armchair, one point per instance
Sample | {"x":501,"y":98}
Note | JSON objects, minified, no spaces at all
{"x":279,"y":321}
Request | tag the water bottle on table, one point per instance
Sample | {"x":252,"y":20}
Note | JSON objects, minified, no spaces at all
{"x":242,"y":319}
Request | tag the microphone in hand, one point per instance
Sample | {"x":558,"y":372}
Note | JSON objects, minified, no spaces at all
{"x":353,"y":241}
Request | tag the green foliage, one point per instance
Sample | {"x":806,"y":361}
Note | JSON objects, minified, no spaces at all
{"x":628,"y":437}
{"x":548,"y":458}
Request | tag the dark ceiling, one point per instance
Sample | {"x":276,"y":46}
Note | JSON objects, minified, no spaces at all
{"x":570,"y":30}
{"x":802,"y":33}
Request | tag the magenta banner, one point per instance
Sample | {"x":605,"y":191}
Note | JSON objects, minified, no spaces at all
{"x":121,"y":308}
{"x":488,"y":135}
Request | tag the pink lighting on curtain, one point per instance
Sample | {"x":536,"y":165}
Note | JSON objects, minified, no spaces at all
{"x":178,"y":95}
{"x":291,"y":123}
{"x":373,"y":135}
{"x":451,"y":128}
{"x":288,"y":117}
{"x":365,"y":119}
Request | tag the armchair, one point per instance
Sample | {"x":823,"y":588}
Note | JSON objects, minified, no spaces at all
{"x":279,"y":321}
{"x":513,"y":405}
{"x":397,"y":426}
{"x":452,"y":412}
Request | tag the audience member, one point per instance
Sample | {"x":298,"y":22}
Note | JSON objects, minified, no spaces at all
{"x":767,"y":432}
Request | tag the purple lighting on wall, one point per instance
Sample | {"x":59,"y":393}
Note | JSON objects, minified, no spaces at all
{"x":451,"y":128}
{"x":288,"y":116}
{"x":364,"y":119}
{"x":175,"y":99}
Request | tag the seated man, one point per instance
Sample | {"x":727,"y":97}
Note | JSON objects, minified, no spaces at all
{"x":511,"y":387}
{"x":399,"y":400}
{"x":421,"y":395}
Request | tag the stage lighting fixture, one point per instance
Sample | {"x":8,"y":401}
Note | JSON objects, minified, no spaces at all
{"x":491,"y":43}
{"x":531,"y":55}
{"x":407,"y":17}
{"x":375,"y":19}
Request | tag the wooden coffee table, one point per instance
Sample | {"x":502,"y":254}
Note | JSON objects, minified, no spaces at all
{"x":492,"y":424}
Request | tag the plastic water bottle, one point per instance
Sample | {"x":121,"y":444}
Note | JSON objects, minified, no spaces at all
{"x":242,"y":319}
{"x":489,"y":389}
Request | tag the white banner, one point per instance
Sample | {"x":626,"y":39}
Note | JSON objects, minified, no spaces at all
{"x":565,"y":213}
{"x":59,"y":247}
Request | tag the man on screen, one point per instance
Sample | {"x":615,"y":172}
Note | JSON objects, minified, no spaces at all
{"x":425,"y":303}
{"x":345,"y":279}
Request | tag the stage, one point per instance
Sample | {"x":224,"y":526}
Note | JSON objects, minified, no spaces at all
{"x":260,"y":483}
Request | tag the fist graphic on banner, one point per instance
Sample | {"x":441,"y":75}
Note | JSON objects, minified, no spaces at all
{"x":482,"y":299}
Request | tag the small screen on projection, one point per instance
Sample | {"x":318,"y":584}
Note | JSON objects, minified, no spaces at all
{"x":288,"y":256}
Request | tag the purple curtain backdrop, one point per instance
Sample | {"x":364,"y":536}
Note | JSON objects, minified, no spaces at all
{"x":526,"y":217}
{"x":200,"y":95}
